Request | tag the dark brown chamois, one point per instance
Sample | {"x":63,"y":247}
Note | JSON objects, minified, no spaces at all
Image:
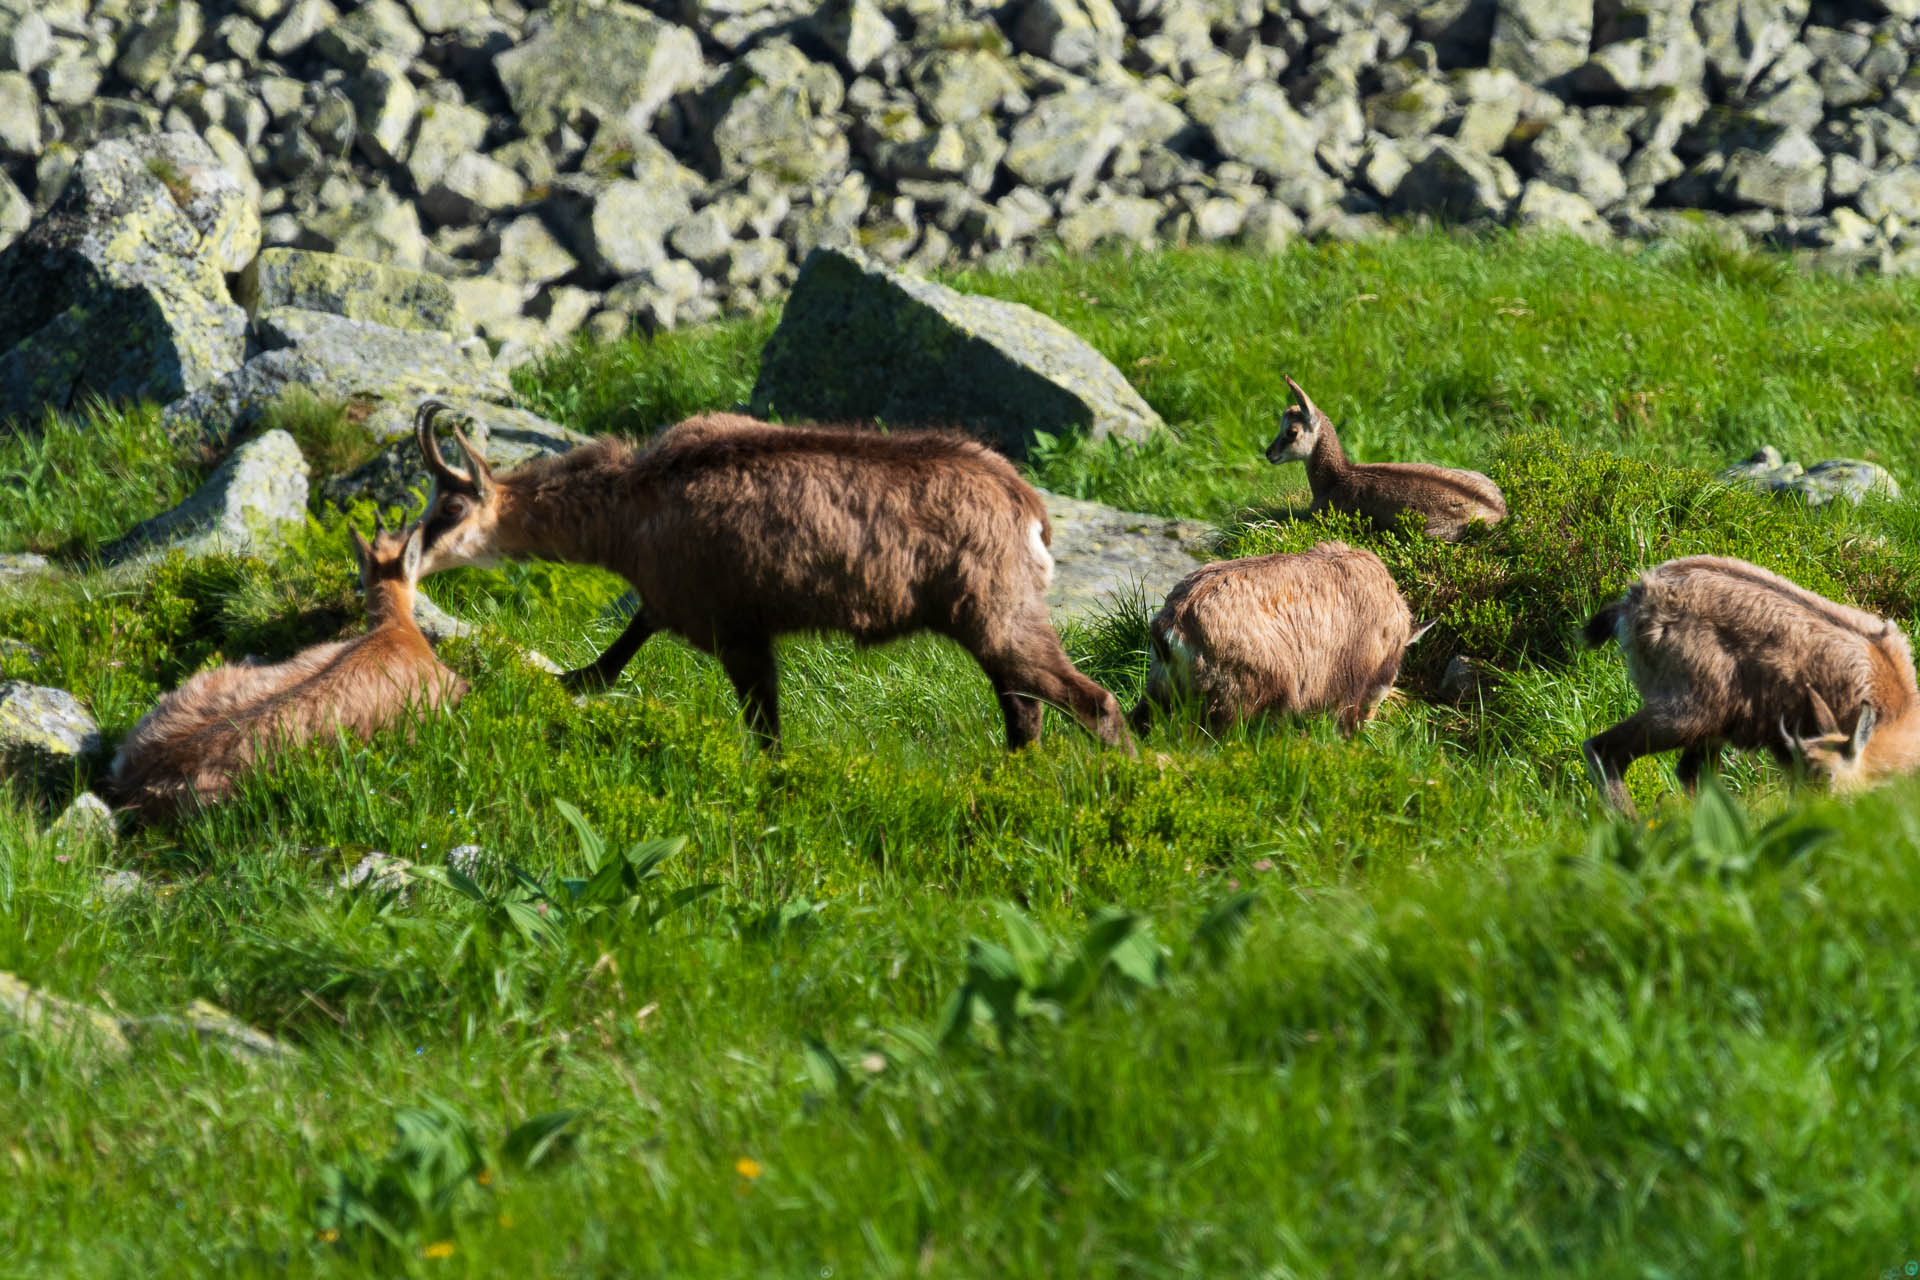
{"x":202,"y":736}
{"x":733,"y":531}
{"x":1446,"y":499}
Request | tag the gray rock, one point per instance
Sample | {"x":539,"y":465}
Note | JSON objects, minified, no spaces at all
{"x":1104,"y":557}
{"x":1124,"y":219}
{"x":43,"y":732}
{"x":927,"y":353}
{"x":20,"y":135}
{"x":28,"y":44}
{"x":956,"y":85}
{"x":62,"y":1028}
{"x":1453,"y":182}
{"x":447,"y":131}
{"x":658,"y":296}
{"x":474,"y":188}
{"x":1544,"y":207}
{"x":118,"y":291}
{"x":1539,"y":40}
{"x":777,"y":130}
{"x":17,"y":566}
{"x":245,"y":506}
{"x":305,"y":20}
{"x":1560,"y":154}
{"x":87,"y":818}
{"x":1072,"y":33}
{"x":1410,"y":112}
{"x":375,"y":29}
{"x":397,"y":476}
{"x":379,"y":227}
{"x":856,"y":31}
{"x":610,"y":64}
{"x":1640,"y":46}
{"x":1254,"y":123}
{"x":616,"y":228}
{"x":72,"y":79}
{"x":377,"y":872}
{"x":1766,"y":471}
{"x":443,"y":17}
{"x":530,"y":253}
{"x":385,"y":107}
{"x":160,"y":45}
{"x":702,"y":238}
{"x":350,"y":287}
{"x":1789,"y":177}
{"x":1892,"y":193}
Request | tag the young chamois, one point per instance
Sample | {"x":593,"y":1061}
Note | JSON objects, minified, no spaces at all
{"x":194,"y":744}
{"x":733,"y":531}
{"x":1725,"y":652}
{"x":1323,"y":630}
{"x":1447,"y":499}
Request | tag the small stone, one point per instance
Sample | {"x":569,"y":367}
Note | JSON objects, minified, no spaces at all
{"x":530,"y":254}
{"x":856,"y":31}
{"x":19,"y":117}
{"x":87,"y":818}
{"x":87,"y":1036}
{"x":473,"y":188}
{"x":1128,"y":219}
{"x":385,"y":105}
{"x":161,"y":44}
{"x":305,"y":20}
{"x":29,"y":44}
{"x":249,"y":501}
{"x":378,"y":872}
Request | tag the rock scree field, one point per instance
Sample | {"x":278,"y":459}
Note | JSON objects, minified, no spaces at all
{"x":557,"y":987}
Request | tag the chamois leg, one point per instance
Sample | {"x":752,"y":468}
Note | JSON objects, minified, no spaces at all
{"x":1692,"y":760}
{"x":749,"y":664}
{"x":605,"y":669}
{"x":1608,"y":754}
{"x":1033,"y":666}
{"x":1022,"y":714}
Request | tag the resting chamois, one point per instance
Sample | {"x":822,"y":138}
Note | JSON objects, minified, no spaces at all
{"x":1323,"y":630}
{"x":198,"y":740}
{"x":733,"y":531}
{"x":1725,"y":652}
{"x":1448,"y":500}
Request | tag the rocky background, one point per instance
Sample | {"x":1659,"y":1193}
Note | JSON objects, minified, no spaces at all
{"x":575,"y":164}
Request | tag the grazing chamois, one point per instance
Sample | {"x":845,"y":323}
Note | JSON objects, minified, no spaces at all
{"x":1447,"y":499}
{"x":199,"y":738}
{"x":1726,"y":653}
{"x":733,"y":531}
{"x":1322,"y":630}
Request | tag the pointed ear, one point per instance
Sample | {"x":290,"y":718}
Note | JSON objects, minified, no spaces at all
{"x":362,"y":552}
{"x":410,"y":555}
{"x":1863,"y":732}
{"x":1421,"y":628}
{"x":1823,"y":721}
{"x":477,"y":468}
{"x":1307,"y":405}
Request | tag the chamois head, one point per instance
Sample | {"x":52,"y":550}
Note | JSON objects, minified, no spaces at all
{"x":1840,"y":757}
{"x":1300,"y":428}
{"x":465,"y":507}
{"x":389,"y":566}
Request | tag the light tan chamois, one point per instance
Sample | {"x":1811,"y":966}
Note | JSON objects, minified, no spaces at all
{"x":1726,"y":653}
{"x":222,"y":723}
{"x":1321,"y":630}
{"x":1448,"y":500}
{"x":733,"y":531}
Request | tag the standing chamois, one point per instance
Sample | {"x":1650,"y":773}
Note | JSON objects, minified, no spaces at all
{"x":1447,"y":499}
{"x":1726,"y":653}
{"x":733,"y":531}
{"x":1323,"y":630}
{"x":202,"y":736}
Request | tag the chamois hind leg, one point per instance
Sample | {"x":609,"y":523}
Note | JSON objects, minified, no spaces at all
{"x":1609,"y":753}
{"x":1694,"y":759}
{"x":749,"y":664}
{"x":605,"y":669}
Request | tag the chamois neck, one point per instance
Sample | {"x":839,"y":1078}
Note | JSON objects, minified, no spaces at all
{"x":1895,"y":747}
{"x":388,"y":601}
{"x":1328,"y":462}
{"x":572,"y":507}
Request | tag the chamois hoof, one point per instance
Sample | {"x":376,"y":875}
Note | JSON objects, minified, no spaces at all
{"x":587,"y":679}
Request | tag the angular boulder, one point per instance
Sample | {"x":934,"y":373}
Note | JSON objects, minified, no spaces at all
{"x":119,"y":291}
{"x":858,"y":341}
{"x":1540,"y":40}
{"x":612,"y":64}
{"x":350,"y":287}
{"x":43,"y":732}
{"x":249,"y":500}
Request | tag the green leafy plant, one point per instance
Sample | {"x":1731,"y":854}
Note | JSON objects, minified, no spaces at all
{"x":1032,"y":977}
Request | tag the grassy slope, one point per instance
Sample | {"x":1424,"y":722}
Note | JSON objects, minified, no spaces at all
{"x":1464,"y":1031}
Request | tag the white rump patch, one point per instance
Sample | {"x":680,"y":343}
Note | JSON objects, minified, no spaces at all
{"x":1041,"y":556}
{"x":1180,"y":658}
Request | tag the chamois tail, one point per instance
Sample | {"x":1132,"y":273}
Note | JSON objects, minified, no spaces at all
{"x":1600,"y":627}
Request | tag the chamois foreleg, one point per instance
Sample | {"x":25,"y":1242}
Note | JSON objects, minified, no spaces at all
{"x":1692,"y":761}
{"x":1032,"y":665}
{"x":605,"y":669}
{"x":1644,"y":733}
{"x":749,"y":663}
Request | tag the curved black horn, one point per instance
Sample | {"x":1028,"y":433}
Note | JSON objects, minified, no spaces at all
{"x":429,"y":444}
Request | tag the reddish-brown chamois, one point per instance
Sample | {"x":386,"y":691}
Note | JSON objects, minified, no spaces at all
{"x":734,"y":531}
{"x":1726,"y":653}
{"x":1448,"y":500}
{"x":1321,"y":630}
{"x":202,"y":736}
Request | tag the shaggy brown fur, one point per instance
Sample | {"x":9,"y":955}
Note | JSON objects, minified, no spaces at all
{"x":734,"y":532}
{"x":1726,"y":653}
{"x":1323,"y":630}
{"x":202,"y":736}
{"x":1447,"y":499}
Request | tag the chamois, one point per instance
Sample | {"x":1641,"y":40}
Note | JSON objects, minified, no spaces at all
{"x":1321,"y":630}
{"x":1447,"y":499}
{"x":734,"y":531}
{"x":1726,"y":653}
{"x":199,"y":738}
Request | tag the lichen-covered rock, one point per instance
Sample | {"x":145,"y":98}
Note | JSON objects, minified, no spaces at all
{"x":1074,"y":34}
{"x":350,"y":287}
{"x":20,"y":132}
{"x":87,"y":818}
{"x":397,"y":476}
{"x":1104,"y":557}
{"x":612,"y":64}
{"x":1546,"y":208}
{"x":1123,"y":219}
{"x":1561,"y":154}
{"x":1844,"y":478}
{"x":159,"y":45}
{"x":956,"y":85}
{"x":1539,"y":40}
{"x":859,"y":342}
{"x":1455,"y":182}
{"x":1254,"y":123}
{"x":1071,"y":134}
{"x":378,"y":368}
{"x":88,"y":1036}
{"x":379,"y":227}
{"x":616,"y":228}
{"x":249,"y":501}
{"x":856,"y":31}
{"x":43,"y":732}
{"x":119,"y":290}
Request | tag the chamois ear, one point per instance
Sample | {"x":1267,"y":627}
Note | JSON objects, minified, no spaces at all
{"x":410,"y":555}
{"x":1863,"y":731}
{"x":1823,"y":722}
{"x":1307,"y":406}
{"x":1421,"y":628}
{"x":362,"y":553}
{"x":480,"y":474}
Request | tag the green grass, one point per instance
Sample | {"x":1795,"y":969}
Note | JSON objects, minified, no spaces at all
{"x":1276,"y":1003}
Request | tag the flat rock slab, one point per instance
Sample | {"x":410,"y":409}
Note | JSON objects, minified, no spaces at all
{"x":1103,"y":557}
{"x":858,"y":342}
{"x":1767,"y":471}
{"x":349,"y":287}
{"x":43,"y":731}
{"x":259,"y":491}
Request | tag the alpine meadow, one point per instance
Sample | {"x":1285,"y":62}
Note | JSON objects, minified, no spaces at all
{"x":896,"y":1001}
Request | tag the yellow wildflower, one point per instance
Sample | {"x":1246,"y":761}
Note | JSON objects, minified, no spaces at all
{"x":438,"y":1249}
{"x":747,"y":1167}
{"x":327,"y":1235}
{"x":484,"y":1177}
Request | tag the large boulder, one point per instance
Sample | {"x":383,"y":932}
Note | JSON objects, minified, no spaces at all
{"x":1540,"y":40}
{"x":119,"y":290}
{"x":246,"y":504}
{"x":1103,"y":556}
{"x":1070,"y":135}
{"x":860,"y":342}
{"x":350,"y":287}
{"x":609,"y":64}
{"x":43,"y":732}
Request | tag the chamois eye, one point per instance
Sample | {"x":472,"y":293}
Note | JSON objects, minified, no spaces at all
{"x":456,"y":507}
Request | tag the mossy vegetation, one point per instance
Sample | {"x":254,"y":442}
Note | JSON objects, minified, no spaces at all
{"x":901,"y":1004}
